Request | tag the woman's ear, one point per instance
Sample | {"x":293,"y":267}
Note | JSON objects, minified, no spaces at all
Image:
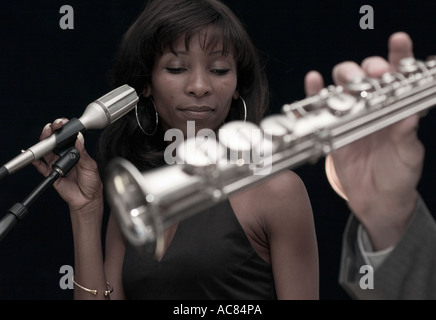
{"x":236,"y":95}
{"x":146,"y":92}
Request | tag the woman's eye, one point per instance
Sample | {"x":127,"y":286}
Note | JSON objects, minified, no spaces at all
{"x":220,"y":72}
{"x":175,"y":70}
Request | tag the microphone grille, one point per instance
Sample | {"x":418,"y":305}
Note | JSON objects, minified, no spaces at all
{"x":119,"y":101}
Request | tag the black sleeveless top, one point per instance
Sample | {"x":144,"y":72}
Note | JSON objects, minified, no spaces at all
{"x":210,"y":257}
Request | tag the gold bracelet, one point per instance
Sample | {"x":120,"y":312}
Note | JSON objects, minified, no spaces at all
{"x":94,"y":291}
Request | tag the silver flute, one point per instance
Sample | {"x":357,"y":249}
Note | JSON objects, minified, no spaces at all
{"x":209,"y":170}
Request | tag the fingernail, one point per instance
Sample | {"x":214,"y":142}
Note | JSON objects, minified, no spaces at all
{"x":81,"y":138}
{"x":46,"y":127}
{"x":57,"y":121}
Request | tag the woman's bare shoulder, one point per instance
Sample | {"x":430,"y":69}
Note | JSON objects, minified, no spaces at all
{"x":284,"y":189}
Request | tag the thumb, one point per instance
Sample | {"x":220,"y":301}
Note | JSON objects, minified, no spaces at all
{"x":86,"y":161}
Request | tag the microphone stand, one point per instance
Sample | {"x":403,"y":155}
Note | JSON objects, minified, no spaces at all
{"x":69,"y":156}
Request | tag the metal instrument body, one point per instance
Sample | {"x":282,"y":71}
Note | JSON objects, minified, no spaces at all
{"x":145,"y":204}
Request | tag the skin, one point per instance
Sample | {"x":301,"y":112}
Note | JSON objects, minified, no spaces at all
{"x":281,"y":230}
{"x":378,"y":174}
{"x":208,"y":82}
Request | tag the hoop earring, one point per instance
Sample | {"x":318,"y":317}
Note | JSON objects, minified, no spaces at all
{"x":139,"y":122}
{"x":245,"y":108}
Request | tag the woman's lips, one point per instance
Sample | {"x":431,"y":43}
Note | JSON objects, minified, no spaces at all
{"x":197,"y":112}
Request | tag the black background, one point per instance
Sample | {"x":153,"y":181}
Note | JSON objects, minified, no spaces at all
{"x":47,"y":73}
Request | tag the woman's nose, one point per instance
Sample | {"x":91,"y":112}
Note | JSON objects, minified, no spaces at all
{"x":199,"y":84}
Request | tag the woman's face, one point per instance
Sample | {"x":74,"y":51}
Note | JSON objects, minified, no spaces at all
{"x":194,"y":85}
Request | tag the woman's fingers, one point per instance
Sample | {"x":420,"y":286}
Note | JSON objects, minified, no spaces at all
{"x":400,"y":46}
{"x":375,"y":67}
{"x":346,"y":71}
{"x":58,"y":123}
{"x":313,"y":83}
{"x":44,"y":164}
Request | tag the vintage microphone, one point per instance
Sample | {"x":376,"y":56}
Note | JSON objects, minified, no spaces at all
{"x":97,"y":115}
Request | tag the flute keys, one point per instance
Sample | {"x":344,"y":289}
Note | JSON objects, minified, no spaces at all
{"x":240,"y":138}
{"x":359,"y":84}
{"x":388,"y":78}
{"x":407,"y":66}
{"x":341,"y":103}
{"x":247,"y":146}
{"x":278,"y":128}
{"x":200,"y":151}
{"x":431,"y":62}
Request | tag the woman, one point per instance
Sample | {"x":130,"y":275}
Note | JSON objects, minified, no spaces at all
{"x":190,"y":60}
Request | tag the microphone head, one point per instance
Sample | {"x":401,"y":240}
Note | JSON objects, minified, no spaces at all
{"x":109,"y":108}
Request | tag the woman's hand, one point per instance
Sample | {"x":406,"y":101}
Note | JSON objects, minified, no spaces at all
{"x":82,"y":187}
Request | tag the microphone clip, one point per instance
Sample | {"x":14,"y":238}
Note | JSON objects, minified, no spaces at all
{"x":69,"y":156}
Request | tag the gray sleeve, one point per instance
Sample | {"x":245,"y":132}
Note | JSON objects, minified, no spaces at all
{"x":408,"y":272}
